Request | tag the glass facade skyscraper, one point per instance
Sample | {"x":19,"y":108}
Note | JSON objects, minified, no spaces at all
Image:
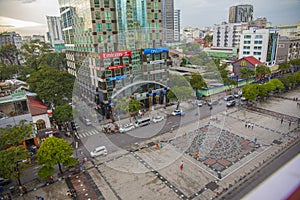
{"x":107,"y":44}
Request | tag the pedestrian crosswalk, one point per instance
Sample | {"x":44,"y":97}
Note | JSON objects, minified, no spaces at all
{"x":87,"y":133}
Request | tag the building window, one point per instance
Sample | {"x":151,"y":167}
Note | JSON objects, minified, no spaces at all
{"x":107,"y":16}
{"x":247,"y":36}
{"x":246,"y":52}
{"x":258,"y":36}
{"x":155,"y":15}
{"x":247,"y":42}
{"x":98,"y":15}
{"x":118,"y":72}
{"x":258,"y":42}
{"x":99,"y":28}
{"x":108,"y":27}
{"x":97,"y":4}
{"x":155,"y":5}
{"x":100,"y":38}
{"x":108,"y":73}
{"x":106,"y":3}
{"x":246,"y":47}
{"x":257,"y":53}
{"x":257,"y":47}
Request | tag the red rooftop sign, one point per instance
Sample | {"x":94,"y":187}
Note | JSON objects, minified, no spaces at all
{"x":116,"y":67}
{"x":116,"y":54}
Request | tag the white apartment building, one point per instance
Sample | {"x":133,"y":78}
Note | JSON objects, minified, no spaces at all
{"x":254,"y":43}
{"x":228,"y":35}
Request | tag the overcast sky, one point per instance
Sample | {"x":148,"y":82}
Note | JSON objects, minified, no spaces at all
{"x":195,"y":13}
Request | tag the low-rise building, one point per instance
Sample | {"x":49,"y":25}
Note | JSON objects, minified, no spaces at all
{"x":249,"y":62}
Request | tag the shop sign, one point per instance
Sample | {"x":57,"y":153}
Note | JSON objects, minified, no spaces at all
{"x":116,"y":54}
{"x":154,"y":62}
{"x":116,"y":78}
{"x":98,"y":68}
{"x":116,"y":67}
{"x":156,"y":50}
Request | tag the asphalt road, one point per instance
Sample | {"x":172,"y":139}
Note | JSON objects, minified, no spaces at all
{"x":124,"y":140}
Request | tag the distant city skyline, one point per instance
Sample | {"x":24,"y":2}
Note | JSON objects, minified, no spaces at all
{"x":28,"y":17}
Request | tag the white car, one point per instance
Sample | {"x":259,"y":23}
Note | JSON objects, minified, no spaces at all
{"x":158,"y":119}
{"x":127,"y":127}
{"x":178,"y":112}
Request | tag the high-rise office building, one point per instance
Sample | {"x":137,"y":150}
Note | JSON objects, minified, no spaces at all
{"x":240,"y":13}
{"x":111,"y":44}
{"x":168,"y":20}
{"x":55,"y":32}
{"x":176,"y":25}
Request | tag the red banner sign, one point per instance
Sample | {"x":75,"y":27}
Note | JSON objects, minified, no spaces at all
{"x":116,"y":67}
{"x":117,"y":54}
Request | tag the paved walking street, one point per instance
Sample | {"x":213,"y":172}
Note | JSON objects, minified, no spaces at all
{"x":215,"y":153}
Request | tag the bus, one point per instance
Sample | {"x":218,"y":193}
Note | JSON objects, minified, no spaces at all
{"x":142,"y":122}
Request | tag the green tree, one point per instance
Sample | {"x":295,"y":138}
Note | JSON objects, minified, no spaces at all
{"x":52,"y":85}
{"x":270,"y":86}
{"x":14,"y":135}
{"x":284,"y":67}
{"x":197,"y":82}
{"x":54,"y":60}
{"x":11,"y":161}
{"x":134,"y":106}
{"x":9,"y":54}
{"x":287,"y":82}
{"x":262,"y":91}
{"x":261,"y":71}
{"x":230,"y":83}
{"x":250,"y":92}
{"x":247,"y":73}
{"x":55,"y":151}
{"x":63,"y":113}
{"x":34,"y":52}
{"x":278,"y":84}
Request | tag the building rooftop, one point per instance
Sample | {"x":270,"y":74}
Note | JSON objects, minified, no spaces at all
{"x":251,"y":59}
{"x":36,"y":106}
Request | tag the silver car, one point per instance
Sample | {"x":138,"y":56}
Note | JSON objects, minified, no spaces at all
{"x":127,"y":127}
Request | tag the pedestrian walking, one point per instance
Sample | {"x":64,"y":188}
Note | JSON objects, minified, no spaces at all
{"x":181,"y":166}
{"x":290,"y":123}
{"x":246,"y":124}
{"x":252,"y":126}
{"x":281,"y":121}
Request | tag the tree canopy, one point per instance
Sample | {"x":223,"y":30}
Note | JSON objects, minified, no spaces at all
{"x":261,"y":71}
{"x":11,"y":162}
{"x":251,"y":91}
{"x":247,"y":73}
{"x":14,"y":135}
{"x":134,"y":106}
{"x":52,"y":85}
{"x":55,"y":151}
{"x":34,"y":52}
{"x":197,"y":82}
{"x":63,"y":113}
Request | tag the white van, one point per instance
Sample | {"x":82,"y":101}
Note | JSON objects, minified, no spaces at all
{"x":99,"y":151}
{"x":142,"y":122}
